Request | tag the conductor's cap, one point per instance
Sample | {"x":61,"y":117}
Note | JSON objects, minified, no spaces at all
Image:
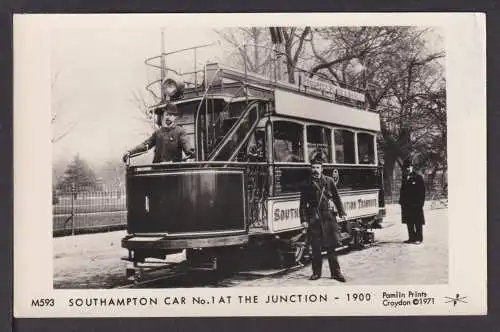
{"x":317,"y":159}
{"x":407,"y":163}
{"x":168,"y":108}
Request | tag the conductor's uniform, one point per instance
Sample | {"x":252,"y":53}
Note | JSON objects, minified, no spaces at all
{"x":316,"y":210}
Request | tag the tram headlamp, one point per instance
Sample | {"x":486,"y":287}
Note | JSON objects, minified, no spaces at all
{"x":172,"y":88}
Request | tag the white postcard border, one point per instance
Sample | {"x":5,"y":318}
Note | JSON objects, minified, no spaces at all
{"x":466,"y":89}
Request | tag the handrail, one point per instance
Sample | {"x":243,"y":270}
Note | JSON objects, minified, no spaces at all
{"x":148,"y":60}
{"x":299,"y":69}
{"x":214,"y":162}
{"x":199,"y":107}
{"x":163,"y":67}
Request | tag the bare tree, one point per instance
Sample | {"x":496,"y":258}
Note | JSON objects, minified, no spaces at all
{"x":295,"y":40}
{"x":145,"y":114}
{"x":405,"y":123}
{"x":59,"y":129}
{"x":369,"y":46}
{"x":251,"y":45}
{"x":394,"y":67}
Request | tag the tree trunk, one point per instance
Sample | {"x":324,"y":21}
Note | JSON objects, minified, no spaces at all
{"x":256,"y":50}
{"x":290,"y":71}
{"x":389,"y":161}
{"x":430,"y":182}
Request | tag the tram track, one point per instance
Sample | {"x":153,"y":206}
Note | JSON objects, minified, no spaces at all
{"x":150,"y":281}
{"x":253,"y":274}
{"x":173,"y":274}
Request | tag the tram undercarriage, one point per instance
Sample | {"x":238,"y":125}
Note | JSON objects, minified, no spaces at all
{"x":232,"y":254}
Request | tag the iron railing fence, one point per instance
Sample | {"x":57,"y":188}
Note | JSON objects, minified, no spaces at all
{"x":85,"y":211}
{"x":434,"y":191}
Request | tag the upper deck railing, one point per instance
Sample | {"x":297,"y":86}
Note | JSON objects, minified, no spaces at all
{"x":307,"y":82}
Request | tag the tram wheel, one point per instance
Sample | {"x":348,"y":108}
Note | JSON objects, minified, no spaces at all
{"x":138,"y":276}
{"x":304,"y":257}
{"x":298,"y":252}
{"x":226,"y":262}
{"x":358,"y":239}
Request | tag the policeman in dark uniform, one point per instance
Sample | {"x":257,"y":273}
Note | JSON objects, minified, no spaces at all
{"x":169,"y":141}
{"x":412,"y":199}
{"x":317,"y":202}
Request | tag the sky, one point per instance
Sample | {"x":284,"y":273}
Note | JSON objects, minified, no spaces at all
{"x":95,"y":73}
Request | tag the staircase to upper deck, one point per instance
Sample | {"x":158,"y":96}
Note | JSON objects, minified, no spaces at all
{"x":222,"y":135}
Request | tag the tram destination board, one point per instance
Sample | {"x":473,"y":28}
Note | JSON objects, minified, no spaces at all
{"x":205,"y":168}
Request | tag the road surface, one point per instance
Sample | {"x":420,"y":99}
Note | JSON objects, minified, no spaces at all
{"x":93,"y":260}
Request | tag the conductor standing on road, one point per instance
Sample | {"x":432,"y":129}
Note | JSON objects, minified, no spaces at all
{"x":411,"y":199}
{"x":169,"y":141}
{"x":318,"y":201}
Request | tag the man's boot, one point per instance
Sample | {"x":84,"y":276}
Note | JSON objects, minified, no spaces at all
{"x":411,"y":234}
{"x":316,"y":267}
{"x":335,"y":267}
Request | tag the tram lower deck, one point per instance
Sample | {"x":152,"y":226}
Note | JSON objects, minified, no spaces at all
{"x":221,"y":212}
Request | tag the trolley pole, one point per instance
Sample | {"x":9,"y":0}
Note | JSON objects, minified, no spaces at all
{"x":162,"y":65}
{"x":246,"y":73}
{"x":194,"y":70}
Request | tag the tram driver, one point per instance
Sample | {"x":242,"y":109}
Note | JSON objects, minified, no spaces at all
{"x":169,"y":140}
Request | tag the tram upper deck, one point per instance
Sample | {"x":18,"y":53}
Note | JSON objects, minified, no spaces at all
{"x":227,"y":99}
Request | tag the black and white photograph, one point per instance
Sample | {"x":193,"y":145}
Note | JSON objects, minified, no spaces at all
{"x":295,"y":163}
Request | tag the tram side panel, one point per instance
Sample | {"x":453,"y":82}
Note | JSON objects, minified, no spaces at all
{"x":358,"y":188}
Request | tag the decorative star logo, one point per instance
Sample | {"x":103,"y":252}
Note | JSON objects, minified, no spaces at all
{"x":456,"y":299}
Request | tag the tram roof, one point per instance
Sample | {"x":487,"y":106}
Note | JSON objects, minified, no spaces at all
{"x":296,"y":100}
{"x":310,"y":108}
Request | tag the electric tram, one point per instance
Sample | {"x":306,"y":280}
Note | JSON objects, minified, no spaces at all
{"x":254,"y":137}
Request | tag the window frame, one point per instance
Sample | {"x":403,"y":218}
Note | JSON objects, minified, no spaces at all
{"x":332,"y":157}
{"x":332,"y":127}
{"x":375,"y":154}
{"x":355,"y":142}
{"x":304,"y":142}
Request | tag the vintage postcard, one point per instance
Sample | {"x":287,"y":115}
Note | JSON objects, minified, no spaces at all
{"x":250,"y":165}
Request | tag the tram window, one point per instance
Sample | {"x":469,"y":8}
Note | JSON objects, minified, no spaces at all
{"x":319,"y":141}
{"x":288,"y":142}
{"x":344,"y":146}
{"x":366,"y":153}
{"x":235,"y":109}
{"x":187,"y":112}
